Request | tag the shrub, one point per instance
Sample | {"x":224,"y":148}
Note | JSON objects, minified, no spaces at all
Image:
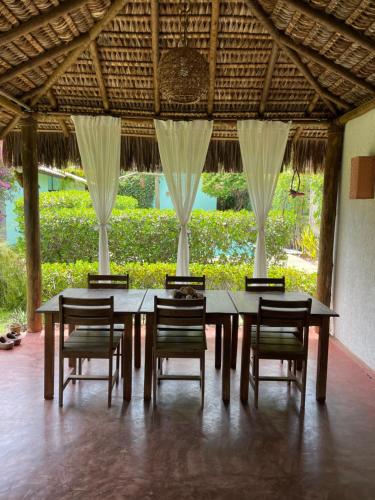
{"x":309,"y":243}
{"x":12,"y":279}
{"x":56,"y":200}
{"x":58,"y":276}
{"x":139,"y":186}
{"x":139,"y":235}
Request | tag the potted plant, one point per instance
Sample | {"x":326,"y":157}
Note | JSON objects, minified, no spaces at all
{"x":18,"y":320}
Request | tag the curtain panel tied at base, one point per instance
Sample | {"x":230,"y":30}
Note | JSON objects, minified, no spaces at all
{"x":183,"y":148}
{"x":262,"y":145}
{"x":99,"y":141}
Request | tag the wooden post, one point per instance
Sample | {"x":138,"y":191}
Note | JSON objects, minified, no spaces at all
{"x":327,"y":226}
{"x":32,"y":229}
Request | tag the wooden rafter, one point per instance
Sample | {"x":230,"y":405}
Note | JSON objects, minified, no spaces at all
{"x":116,"y":6}
{"x":10,"y":105}
{"x":212,"y":55}
{"x":313,"y":103}
{"x":268,"y":78}
{"x":332,"y":23}
{"x":304,"y":51}
{"x":60,"y":119}
{"x":10,"y":126}
{"x":99,"y":74}
{"x":155,"y":52}
{"x":40,"y":20}
{"x":359,"y":111}
{"x":44,"y":57}
{"x":326,"y":95}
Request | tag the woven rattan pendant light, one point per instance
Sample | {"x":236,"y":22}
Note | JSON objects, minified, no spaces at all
{"x":183,"y":71}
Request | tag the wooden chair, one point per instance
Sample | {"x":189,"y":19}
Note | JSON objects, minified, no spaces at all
{"x":199,"y":283}
{"x":281,"y":344}
{"x":119,"y":281}
{"x":179,"y":332}
{"x":260,"y":285}
{"x":257,"y":285}
{"x":99,"y":341}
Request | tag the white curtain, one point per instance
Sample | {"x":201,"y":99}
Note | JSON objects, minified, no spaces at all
{"x":99,"y":142}
{"x":262,"y":146}
{"x":183,"y":148}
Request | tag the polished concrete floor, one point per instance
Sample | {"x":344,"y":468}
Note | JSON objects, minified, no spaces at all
{"x":85,"y":451}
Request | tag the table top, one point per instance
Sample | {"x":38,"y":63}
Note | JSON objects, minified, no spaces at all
{"x":125,"y":301}
{"x":218,"y":301}
{"x":248,"y":302}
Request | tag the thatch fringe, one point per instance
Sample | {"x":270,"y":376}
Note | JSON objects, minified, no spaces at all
{"x":140,"y":153}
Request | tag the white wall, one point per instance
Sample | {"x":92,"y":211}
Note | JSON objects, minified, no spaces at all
{"x":354,"y":272}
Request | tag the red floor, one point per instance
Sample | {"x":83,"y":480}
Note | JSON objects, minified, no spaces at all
{"x":85,"y":451}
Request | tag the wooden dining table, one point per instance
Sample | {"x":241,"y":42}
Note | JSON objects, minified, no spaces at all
{"x":126,"y":304}
{"x":247,"y":304}
{"x":219,"y":310}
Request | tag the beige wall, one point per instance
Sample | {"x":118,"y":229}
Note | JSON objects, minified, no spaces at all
{"x":354,"y":272}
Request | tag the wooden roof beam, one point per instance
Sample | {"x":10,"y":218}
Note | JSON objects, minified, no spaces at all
{"x":44,"y":57}
{"x":212,"y":55}
{"x":99,"y":75}
{"x":356,"y":112}
{"x":10,"y":126}
{"x":60,"y":119}
{"x":40,"y":20}
{"x":10,"y":105}
{"x":313,"y":103}
{"x":71,"y":58}
{"x":304,"y":51}
{"x":332,"y":23}
{"x":155,"y":52}
{"x":268,"y":78}
{"x":327,"y":96}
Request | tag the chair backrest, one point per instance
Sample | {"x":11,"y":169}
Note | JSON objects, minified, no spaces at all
{"x":280,"y":313}
{"x":82,"y":312}
{"x":264,"y":284}
{"x":179,"y":314}
{"x":120,"y":281}
{"x":196,"y":282}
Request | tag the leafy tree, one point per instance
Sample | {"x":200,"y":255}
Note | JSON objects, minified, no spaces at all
{"x":139,"y":186}
{"x":229,"y":189}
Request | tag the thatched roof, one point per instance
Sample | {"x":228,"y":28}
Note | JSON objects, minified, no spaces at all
{"x":308,"y":62}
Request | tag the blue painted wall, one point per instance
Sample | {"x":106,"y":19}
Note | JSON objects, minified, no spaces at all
{"x":202,"y":202}
{"x":46,"y":183}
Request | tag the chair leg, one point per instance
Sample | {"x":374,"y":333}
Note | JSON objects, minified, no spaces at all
{"x":233,"y":355}
{"x":79,"y":366}
{"x":289,"y":369}
{"x":117,"y":363}
{"x":110,"y":368}
{"x":304,"y":380}
{"x":218,"y":347}
{"x":61,"y":379}
{"x":73,"y":364}
{"x":154,"y":378}
{"x":137,"y":341}
{"x":256,"y":379}
{"x":202,"y":379}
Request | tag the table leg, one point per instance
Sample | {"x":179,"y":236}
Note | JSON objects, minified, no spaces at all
{"x":148,"y":356}
{"x":245,"y":359}
{"x":218,"y":346}
{"x":322,"y":364}
{"x":137,"y":341}
{"x":128,"y":355}
{"x":233,"y":356}
{"x":226,"y":358}
{"x":49,"y":355}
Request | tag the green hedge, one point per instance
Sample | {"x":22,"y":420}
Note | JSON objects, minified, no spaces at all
{"x":56,"y":200}
{"x":12,"y":279}
{"x":56,"y":276}
{"x":69,"y":234}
